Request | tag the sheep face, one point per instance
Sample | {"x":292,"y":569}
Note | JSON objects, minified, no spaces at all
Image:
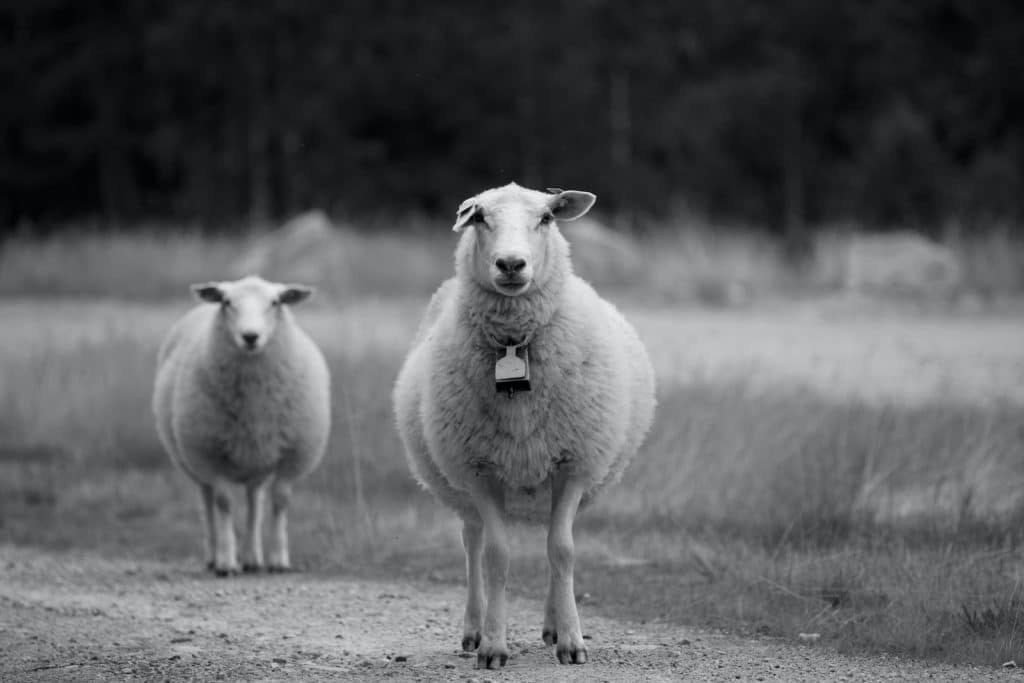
{"x":510,"y":227}
{"x":251,"y":308}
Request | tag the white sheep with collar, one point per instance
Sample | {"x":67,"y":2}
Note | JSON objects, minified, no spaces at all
{"x":539,"y":454}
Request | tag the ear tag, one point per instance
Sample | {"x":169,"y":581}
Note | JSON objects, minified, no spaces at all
{"x":512,"y":371}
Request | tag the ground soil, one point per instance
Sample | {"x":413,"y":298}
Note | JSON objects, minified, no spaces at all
{"x":79,"y":616}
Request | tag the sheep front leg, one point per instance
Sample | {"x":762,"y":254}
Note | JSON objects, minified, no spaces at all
{"x":561,"y":619}
{"x":280,"y":496}
{"x":473,"y":542}
{"x":252,"y":554}
{"x":225,"y":559}
{"x":489,"y":498}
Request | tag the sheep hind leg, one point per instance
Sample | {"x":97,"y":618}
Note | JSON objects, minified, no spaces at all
{"x":209,"y":525}
{"x":252,"y":554}
{"x":550,"y":632}
{"x":473,"y":542}
{"x":280,"y":496}
{"x":560,"y":608}
{"x":489,"y":498}
{"x":225,"y":560}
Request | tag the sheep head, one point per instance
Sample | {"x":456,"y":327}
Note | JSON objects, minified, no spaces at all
{"x":251,"y":308}
{"x":511,"y":227}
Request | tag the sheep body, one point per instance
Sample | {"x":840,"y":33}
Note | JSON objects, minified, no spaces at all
{"x":539,"y":454}
{"x":589,"y":408}
{"x":227,"y":415}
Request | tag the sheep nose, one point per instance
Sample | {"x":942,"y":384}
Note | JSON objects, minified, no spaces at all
{"x":250,"y":339}
{"x":510,"y":265}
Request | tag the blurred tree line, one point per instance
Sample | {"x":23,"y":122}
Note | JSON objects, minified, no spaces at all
{"x":781,"y":113}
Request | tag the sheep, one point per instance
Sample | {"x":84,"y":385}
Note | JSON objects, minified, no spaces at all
{"x":546,"y":439}
{"x":242,"y":396}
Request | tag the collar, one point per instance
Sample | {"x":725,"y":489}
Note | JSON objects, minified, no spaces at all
{"x":509,"y":341}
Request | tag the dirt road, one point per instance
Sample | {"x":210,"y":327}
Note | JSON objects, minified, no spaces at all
{"x":83,"y":617}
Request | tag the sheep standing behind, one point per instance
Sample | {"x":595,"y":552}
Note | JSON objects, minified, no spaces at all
{"x":242,"y":396}
{"x":531,"y":455}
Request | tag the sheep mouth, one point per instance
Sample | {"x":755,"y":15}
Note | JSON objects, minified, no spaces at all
{"x":511,"y":285}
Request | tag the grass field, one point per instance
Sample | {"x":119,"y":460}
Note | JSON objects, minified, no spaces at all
{"x":811,"y":468}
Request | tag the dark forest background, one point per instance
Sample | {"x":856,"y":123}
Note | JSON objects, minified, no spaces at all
{"x":777,"y":114}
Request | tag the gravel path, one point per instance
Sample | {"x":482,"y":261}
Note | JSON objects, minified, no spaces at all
{"x":83,"y":617}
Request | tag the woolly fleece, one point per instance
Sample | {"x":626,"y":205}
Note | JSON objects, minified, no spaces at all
{"x":227,"y":415}
{"x":592,"y":398}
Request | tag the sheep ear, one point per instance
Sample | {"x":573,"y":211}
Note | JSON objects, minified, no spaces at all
{"x":465,"y":213}
{"x":209,"y":292}
{"x":293,"y":294}
{"x":568,"y":205}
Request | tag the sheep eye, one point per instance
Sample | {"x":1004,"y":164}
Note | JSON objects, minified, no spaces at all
{"x":225,"y":303}
{"x":546,"y":218}
{"x":478,"y":219}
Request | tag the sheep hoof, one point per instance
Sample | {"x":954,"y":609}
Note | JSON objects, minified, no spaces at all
{"x":495,"y":658}
{"x":210,"y":566}
{"x":471,"y":641}
{"x":252,"y":568}
{"x":550,"y":636}
{"x":281,"y":569}
{"x":222,"y":572}
{"x":571,"y":655}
